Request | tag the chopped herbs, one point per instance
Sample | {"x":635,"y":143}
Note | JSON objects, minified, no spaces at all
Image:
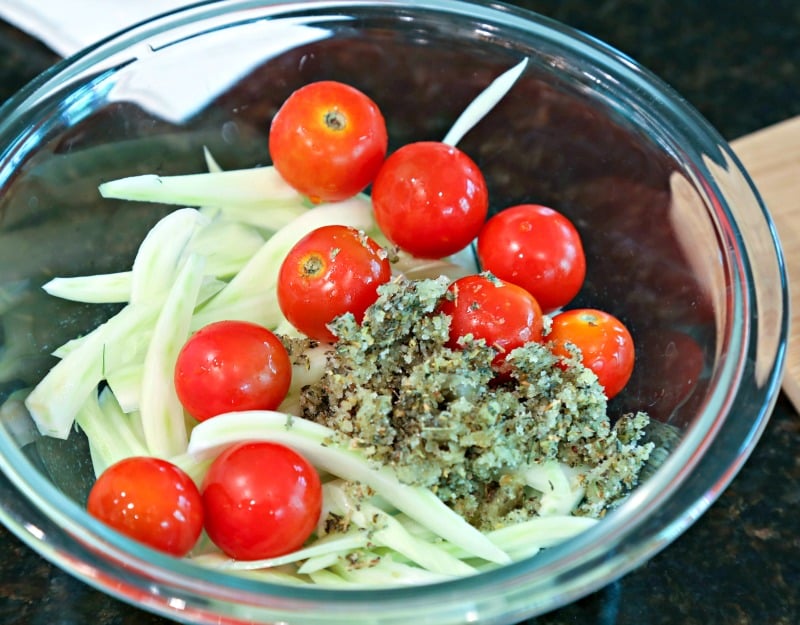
{"x":440,"y":418}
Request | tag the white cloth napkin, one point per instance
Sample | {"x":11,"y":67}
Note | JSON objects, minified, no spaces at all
{"x":67,"y":26}
{"x":161,"y":84}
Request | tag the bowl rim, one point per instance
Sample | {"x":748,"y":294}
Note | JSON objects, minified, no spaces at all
{"x":582,"y":552}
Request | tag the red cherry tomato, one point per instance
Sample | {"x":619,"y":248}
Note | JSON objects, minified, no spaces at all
{"x":328,"y":140}
{"x":502,"y":314}
{"x":260,"y":500}
{"x":150,"y":500}
{"x":537,"y":248}
{"x":430,"y":199}
{"x":232,"y":365}
{"x":331,"y":271}
{"x":605,"y":343}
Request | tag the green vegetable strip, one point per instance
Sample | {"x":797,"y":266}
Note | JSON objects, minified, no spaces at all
{"x":386,"y":572}
{"x":109,"y":288}
{"x":161,"y":411}
{"x":260,"y":187}
{"x":196,"y":468}
{"x":291,"y":404}
{"x":121,"y":351}
{"x":110,"y":405}
{"x":250,"y":295}
{"x":126,"y":384}
{"x":388,"y":532}
{"x":211,"y":162}
{"x":273,"y":576}
{"x":226,"y":245}
{"x":55,"y":401}
{"x":420,"y":269}
{"x":484,"y":102}
{"x":271,"y":219}
{"x":160,"y":254}
{"x":317,"y":443}
{"x":325,"y":577}
{"x":109,"y":432}
{"x":541,"y":532}
{"x":561,"y":491}
{"x":339,"y":544}
{"x":327,"y":560}
{"x":311,"y":367}
{"x":520,"y":540}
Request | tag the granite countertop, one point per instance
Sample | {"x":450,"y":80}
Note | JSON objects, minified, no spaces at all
{"x":739,"y":564}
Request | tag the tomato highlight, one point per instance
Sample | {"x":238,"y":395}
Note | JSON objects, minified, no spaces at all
{"x":430,"y":199}
{"x":536,"y":248}
{"x":260,"y":500}
{"x":232,"y":365}
{"x":502,"y":314}
{"x":328,"y":140}
{"x":332,"y":271}
{"x":149,"y":500}
{"x":605,"y":343}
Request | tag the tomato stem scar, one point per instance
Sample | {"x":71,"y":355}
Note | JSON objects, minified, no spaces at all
{"x":335,"y":120}
{"x":312,"y":266}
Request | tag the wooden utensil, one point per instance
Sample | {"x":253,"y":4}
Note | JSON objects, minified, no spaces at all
{"x":772,"y":158}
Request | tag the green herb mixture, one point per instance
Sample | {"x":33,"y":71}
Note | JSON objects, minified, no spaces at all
{"x":441,"y":420}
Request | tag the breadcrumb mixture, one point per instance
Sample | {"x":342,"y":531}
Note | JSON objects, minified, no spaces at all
{"x":439,"y":417}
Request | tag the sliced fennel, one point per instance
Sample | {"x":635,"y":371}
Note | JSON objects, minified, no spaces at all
{"x":421,"y":268}
{"x":55,"y":401}
{"x":267,"y":221}
{"x":258,"y":187}
{"x":111,"y":432}
{"x":211,"y":162}
{"x":310,"y":368}
{"x":161,"y":411}
{"x":336,"y":545}
{"x":226,"y":245}
{"x":485,"y":102}
{"x":107,"y":288}
{"x":317,"y":444}
{"x":560,"y":486}
{"x":386,"y":531}
{"x":161,"y":253}
{"x":528,"y":537}
{"x":385,"y":570}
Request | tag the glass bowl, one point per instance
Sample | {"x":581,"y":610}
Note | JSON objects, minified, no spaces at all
{"x":678,"y":244}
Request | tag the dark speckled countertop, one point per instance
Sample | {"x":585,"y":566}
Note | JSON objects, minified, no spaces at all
{"x":739,"y":564}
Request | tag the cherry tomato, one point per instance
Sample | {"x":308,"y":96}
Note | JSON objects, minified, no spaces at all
{"x":331,"y":271}
{"x":605,"y":343}
{"x":150,"y":500}
{"x":261,"y":500}
{"x":328,"y":140}
{"x":232,"y":365}
{"x":430,"y":199}
{"x":502,"y":314}
{"x":537,"y":248}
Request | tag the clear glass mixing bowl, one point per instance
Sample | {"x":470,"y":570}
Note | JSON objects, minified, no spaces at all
{"x":678,"y":244}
